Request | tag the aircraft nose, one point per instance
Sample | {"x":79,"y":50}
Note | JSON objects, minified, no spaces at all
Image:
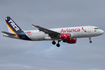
{"x":101,"y":31}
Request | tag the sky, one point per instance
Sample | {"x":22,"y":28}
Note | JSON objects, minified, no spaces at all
{"x":42,"y":55}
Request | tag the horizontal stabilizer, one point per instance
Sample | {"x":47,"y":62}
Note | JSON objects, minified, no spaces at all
{"x":10,"y":34}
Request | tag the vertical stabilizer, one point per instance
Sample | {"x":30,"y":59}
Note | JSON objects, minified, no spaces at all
{"x":12,"y":26}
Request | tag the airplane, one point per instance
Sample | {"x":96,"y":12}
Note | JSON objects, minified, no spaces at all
{"x":67,"y":34}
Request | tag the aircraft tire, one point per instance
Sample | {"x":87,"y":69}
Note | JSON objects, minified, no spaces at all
{"x":58,"y":45}
{"x":90,"y":41}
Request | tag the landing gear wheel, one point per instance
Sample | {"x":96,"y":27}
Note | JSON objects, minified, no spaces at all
{"x":53,"y":42}
{"x":58,"y":45}
{"x":90,"y":41}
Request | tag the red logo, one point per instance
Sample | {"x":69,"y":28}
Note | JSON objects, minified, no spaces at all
{"x":28,"y":32}
{"x":84,"y":29}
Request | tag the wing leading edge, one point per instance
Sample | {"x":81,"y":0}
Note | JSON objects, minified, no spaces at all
{"x":51,"y":33}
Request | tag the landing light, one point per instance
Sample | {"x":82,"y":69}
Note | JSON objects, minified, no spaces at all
{"x":95,"y":30}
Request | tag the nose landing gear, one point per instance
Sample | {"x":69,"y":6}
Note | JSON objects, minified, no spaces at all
{"x":90,"y":40}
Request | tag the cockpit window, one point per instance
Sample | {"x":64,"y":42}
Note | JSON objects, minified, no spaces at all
{"x":95,"y":28}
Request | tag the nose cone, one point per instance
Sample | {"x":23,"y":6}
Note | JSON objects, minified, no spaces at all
{"x":101,"y":32}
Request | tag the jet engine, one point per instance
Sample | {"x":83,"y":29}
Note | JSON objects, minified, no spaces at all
{"x":71,"y":41}
{"x":65,"y":36}
{"x":68,"y":38}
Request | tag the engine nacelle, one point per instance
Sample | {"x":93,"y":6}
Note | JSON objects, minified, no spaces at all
{"x":68,"y":38}
{"x":65,"y":36}
{"x":72,"y":41}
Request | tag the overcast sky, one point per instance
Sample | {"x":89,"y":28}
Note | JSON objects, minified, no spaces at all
{"x":42,"y":55}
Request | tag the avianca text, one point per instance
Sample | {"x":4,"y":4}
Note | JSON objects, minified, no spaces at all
{"x":70,"y":30}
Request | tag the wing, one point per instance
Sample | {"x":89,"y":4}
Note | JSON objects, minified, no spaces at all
{"x":51,"y":33}
{"x":9,"y":34}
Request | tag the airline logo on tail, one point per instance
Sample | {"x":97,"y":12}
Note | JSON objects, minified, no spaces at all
{"x":13,"y":25}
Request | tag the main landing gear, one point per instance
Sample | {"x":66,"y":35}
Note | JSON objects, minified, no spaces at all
{"x":90,"y":40}
{"x":58,"y":45}
{"x":53,"y":42}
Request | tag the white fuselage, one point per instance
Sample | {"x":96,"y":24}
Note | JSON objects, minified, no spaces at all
{"x":67,"y":34}
{"x":76,"y":32}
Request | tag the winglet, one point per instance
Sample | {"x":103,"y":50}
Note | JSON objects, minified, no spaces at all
{"x":33,"y":25}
